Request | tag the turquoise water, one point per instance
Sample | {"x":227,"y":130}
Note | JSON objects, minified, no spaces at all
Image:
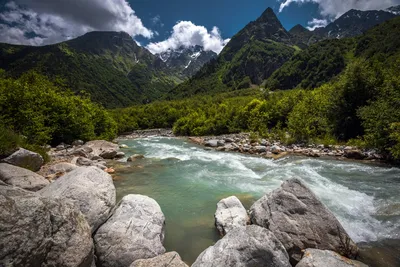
{"x":188,"y":181}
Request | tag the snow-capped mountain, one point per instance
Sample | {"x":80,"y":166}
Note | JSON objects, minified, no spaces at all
{"x":394,"y":10}
{"x":355,"y":22}
{"x":186,"y":61}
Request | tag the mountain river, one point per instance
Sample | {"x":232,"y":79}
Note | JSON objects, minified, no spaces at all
{"x":188,"y":181}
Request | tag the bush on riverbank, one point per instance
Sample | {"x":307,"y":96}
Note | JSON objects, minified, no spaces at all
{"x":36,"y":109}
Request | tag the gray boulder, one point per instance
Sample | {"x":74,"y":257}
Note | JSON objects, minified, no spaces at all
{"x":120,"y":155}
{"x":38,"y":231}
{"x":82,"y":152}
{"x":230,"y":214}
{"x":25,"y":159}
{"x":90,"y":189}
{"x":260,"y":149}
{"x":326,"y":258}
{"x":170,"y":259}
{"x":211,"y":143}
{"x":135,"y":157}
{"x":250,"y":246}
{"x":300,"y":221}
{"x":104,"y":149}
{"x":78,"y":143}
{"x":62,"y":167}
{"x":134,"y":231}
{"x":276,"y":149}
{"x":21,"y":177}
{"x":354,"y":154}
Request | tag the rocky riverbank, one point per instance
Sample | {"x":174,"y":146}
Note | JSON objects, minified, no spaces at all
{"x":243,"y":143}
{"x":74,"y":221}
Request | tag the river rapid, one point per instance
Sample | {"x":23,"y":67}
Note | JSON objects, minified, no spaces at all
{"x":188,"y":181}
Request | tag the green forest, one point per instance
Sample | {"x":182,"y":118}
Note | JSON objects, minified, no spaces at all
{"x":335,"y":91}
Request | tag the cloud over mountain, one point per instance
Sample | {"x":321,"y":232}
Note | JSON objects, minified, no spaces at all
{"x":39,"y":22}
{"x":186,"y":34}
{"x":336,"y":8}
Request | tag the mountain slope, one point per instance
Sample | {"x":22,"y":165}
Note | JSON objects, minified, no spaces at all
{"x":102,"y":64}
{"x":250,"y":57}
{"x":185,"y":62}
{"x":321,"y":62}
{"x":355,"y":22}
{"x":303,"y":37}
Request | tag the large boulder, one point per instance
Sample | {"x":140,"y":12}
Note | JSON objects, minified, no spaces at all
{"x":134,"y":231}
{"x":90,"y":188}
{"x":300,"y":221}
{"x":326,"y":258}
{"x":21,"y":177}
{"x":62,"y":167}
{"x":104,"y":149}
{"x":25,"y":159}
{"x":170,"y":259}
{"x":230,"y":214}
{"x":38,"y":231}
{"x":250,"y":246}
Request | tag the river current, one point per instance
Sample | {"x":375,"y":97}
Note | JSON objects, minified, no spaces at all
{"x":188,"y":181}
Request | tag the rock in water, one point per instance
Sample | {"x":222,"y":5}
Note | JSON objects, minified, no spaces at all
{"x":250,"y":246}
{"x":38,"y":231}
{"x":134,"y":231}
{"x":299,"y":220}
{"x":230,"y":214}
{"x":170,"y":259}
{"x":25,"y":159}
{"x":21,"y":177}
{"x":326,"y":258}
{"x":90,"y":188}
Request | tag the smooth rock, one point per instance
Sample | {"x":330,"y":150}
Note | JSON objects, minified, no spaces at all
{"x":260,"y":149}
{"x":21,"y":177}
{"x":170,"y":259}
{"x":82,"y":152}
{"x":211,"y":143}
{"x":354,"y":154}
{"x":123,"y":146}
{"x":276,"y":149}
{"x":326,"y":258}
{"x":120,"y":155}
{"x":104,"y":149}
{"x":25,"y":159}
{"x":90,"y":189}
{"x":300,"y":221}
{"x":62,"y":167}
{"x":78,"y":143}
{"x":38,"y":231}
{"x":230,"y":214}
{"x":250,"y":246}
{"x":135,"y":157}
{"x":81,"y":161}
{"x":134,"y":231}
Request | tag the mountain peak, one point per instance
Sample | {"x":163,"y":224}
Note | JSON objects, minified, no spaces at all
{"x":298,"y":29}
{"x":268,"y":15}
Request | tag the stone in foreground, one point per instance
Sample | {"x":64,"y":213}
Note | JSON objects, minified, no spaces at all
{"x":134,"y":231}
{"x":170,"y":259}
{"x":38,"y":231}
{"x":230,"y":214}
{"x":326,"y":258}
{"x":25,"y":159}
{"x":250,"y":246}
{"x":20,"y":177}
{"x":300,"y":221}
{"x":90,"y":188}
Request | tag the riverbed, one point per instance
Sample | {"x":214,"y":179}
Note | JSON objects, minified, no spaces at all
{"x":188,"y":181}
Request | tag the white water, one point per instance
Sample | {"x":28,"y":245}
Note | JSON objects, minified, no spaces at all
{"x":365,"y":198}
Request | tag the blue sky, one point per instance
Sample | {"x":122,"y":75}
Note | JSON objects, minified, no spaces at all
{"x":159,"y":25}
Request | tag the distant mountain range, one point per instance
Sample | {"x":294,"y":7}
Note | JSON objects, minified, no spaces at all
{"x":116,"y":72}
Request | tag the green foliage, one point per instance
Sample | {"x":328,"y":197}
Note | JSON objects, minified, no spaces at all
{"x":33,"y":107}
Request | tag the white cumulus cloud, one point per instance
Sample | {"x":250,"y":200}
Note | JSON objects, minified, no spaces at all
{"x":316,"y":23}
{"x":39,"y":22}
{"x":187,"y":34}
{"x":336,"y":8}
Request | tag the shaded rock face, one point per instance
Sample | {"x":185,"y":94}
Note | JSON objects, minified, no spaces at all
{"x":299,"y":220}
{"x":134,"y":231}
{"x":104,"y":149}
{"x":170,"y":259}
{"x":38,"y":231}
{"x":326,"y":258}
{"x":230,"y":214}
{"x":89,"y":188}
{"x":250,"y":246}
{"x":25,"y":159}
{"x":21,"y":177}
